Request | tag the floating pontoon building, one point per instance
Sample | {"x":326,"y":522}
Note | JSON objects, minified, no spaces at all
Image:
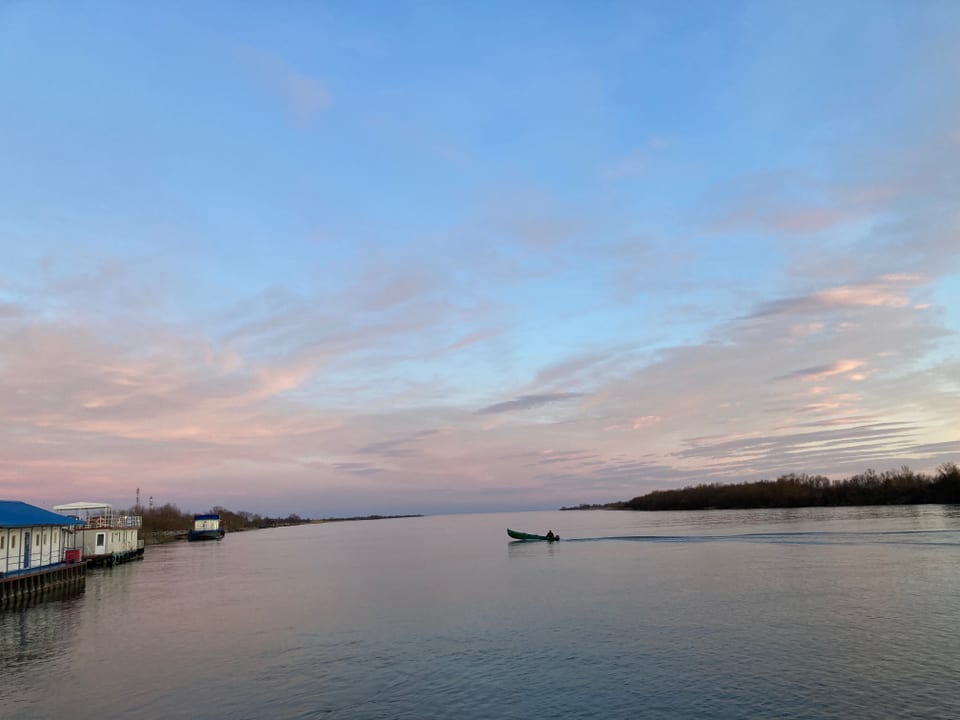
{"x":39,"y":550}
{"x":107,"y":537}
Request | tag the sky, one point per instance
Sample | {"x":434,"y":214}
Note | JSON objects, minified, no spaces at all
{"x":438,"y":257}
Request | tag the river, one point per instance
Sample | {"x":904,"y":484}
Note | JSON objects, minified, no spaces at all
{"x":811,"y":613}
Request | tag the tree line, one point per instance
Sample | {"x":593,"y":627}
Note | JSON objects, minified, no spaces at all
{"x":892,"y":487}
{"x":169,"y":518}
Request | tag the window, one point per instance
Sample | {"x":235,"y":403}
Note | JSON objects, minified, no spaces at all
{"x":3,"y":539}
{"x":13,"y":542}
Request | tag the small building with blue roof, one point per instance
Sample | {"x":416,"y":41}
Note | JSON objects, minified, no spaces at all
{"x":33,"y":540}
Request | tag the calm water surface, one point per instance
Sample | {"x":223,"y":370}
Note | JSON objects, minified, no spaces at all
{"x":815,"y":613}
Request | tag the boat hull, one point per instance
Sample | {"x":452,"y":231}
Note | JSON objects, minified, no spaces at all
{"x":196,"y":535}
{"x":517,"y":535}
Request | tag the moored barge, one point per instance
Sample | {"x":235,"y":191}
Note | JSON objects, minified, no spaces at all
{"x":206,"y":527}
{"x":107,"y":537}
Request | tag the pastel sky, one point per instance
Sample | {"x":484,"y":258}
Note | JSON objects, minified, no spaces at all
{"x":390,"y":257}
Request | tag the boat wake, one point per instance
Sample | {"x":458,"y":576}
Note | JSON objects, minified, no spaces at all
{"x":946,"y":538}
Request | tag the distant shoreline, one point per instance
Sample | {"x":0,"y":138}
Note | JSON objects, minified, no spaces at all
{"x":364,"y":517}
{"x":162,"y":537}
{"x":893,"y":487}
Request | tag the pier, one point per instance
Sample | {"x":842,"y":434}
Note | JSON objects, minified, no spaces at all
{"x":25,"y":586}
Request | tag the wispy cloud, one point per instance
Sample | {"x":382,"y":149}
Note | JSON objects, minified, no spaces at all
{"x":819,"y":373}
{"x":10,"y":310}
{"x":531,"y":218}
{"x":528,"y":402}
{"x":471,"y":339}
{"x":357,"y":468}
{"x":888,"y":291}
{"x":892,"y":291}
{"x":636,"y":162}
{"x":304,"y":95}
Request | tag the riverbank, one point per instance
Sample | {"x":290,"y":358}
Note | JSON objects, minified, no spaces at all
{"x":161,"y":537}
{"x":893,"y":487}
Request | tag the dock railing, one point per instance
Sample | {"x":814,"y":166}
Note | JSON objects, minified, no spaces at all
{"x":12,"y":560}
{"x":112,"y":521}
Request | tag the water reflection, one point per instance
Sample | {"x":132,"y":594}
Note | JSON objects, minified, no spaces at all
{"x":50,"y":594}
{"x":37,"y":630}
{"x":523,"y":548}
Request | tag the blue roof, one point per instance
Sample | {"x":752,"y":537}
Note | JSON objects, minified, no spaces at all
{"x":14,"y":513}
{"x":206,"y":517}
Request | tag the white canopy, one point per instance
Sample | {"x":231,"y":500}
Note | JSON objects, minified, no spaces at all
{"x":83,"y":506}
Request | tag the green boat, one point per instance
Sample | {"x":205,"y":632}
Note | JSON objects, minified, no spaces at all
{"x":517,"y":535}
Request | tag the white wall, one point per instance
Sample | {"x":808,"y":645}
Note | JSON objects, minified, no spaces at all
{"x":114,"y":541}
{"x":46,"y":547}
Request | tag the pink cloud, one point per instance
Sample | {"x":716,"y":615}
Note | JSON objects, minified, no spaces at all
{"x":806,"y":329}
{"x":818,"y":373}
{"x":888,"y":291}
{"x":276,"y":380}
{"x":471,"y":339}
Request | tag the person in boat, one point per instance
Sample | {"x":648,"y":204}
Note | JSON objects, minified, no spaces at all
{"x":550,"y":535}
